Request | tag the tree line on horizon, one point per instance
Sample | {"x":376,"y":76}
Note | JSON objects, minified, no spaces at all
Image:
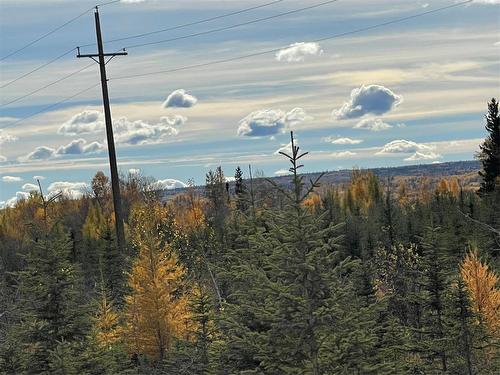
{"x":366,"y":278}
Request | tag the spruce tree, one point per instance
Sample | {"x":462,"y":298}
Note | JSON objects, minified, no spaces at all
{"x":54,"y":322}
{"x":293,"y":307}
{"x":489,"y":154}
{"x":240,"y":190}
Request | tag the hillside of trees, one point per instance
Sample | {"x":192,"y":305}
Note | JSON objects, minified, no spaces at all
{"x":366,"y":277}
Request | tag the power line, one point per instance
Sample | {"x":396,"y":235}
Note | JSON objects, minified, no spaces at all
{"x":164,"y":41}
{"x":235,"y":25}
{"x":187,"y":67}
{"x":38,"y":68}
{"x":48,"y":85}
{"x":335,"y":36}
{"x":45,"y":35}
{"x":45,"y":109}
{"x":189,"y":24}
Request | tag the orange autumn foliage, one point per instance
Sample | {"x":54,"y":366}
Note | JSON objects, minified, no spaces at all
{"x":482,"y":285}
{"x":189,"y":211}
{"x":157,"y":309}
{"x":451,"y":187}
{"x":313,"y":202}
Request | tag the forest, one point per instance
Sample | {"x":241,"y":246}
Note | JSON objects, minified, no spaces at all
{"x":368,"y":277}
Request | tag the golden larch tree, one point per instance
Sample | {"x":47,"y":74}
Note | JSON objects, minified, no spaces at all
{"x":107,"y":328}
{"x":157,"y":309}
{"x":482,"y":285}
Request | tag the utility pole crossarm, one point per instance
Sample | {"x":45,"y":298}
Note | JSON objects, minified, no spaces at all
{"x":104,"y":54}
{"x":115,"y":180}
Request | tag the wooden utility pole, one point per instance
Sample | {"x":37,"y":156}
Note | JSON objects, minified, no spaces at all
{"x":115,"y":181}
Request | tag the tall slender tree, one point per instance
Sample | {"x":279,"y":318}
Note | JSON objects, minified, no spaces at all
{"x":489,"y":154}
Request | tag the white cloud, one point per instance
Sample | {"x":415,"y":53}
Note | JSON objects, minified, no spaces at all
{"x":30,"y":187}
{"x":79,"y":147}
{"x":168,"y":184}
{"x":372,"y":124}
{"x":371,"y":99}
{"x":287,"y":147}
{"x":491,"y":2}
{"x":2,"y":158}
{"x":38,"y":178}
{"x":342,"y":154}
{"x":270,"y":122}
{"x":180,"y":99}
{"x":282,"y":172}
{"x":11,"y":179}
{"x":40,"y":153}
{"x":423,"y":155}
{"x":83,"y":123}
{"x":75,"y":147}
{"x":71,"y":190}
{"x":403,"y":146}
{"x":419,"y":151}
{"x":134,"y":171}
{"x":4,"y":137}
{"x":343,"y":141}
{"x":298,"y":51}
{"x":140,"y":132}
{"x":20,"y":195}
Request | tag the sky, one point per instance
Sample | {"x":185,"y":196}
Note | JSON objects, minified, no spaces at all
{"x":411,"y":92}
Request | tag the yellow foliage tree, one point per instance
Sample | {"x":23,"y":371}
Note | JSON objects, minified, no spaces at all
{"x":363,"y":191}
{"x":313,"y":202}
{"x":482,"y":285}
{"x":157,"y":310}
{"x":95,"y":222}
{"x":107,"y":328}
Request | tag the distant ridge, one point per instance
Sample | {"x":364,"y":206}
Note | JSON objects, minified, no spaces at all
{"x":466,"y":168}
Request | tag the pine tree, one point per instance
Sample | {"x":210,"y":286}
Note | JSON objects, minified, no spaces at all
{"x":489,"y":154}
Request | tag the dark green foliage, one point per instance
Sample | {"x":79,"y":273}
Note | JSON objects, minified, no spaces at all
{"x":53,"y":322}
{"x":489,"y":153}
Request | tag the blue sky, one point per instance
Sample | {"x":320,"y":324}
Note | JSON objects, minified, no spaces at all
{"x":408,"y":93}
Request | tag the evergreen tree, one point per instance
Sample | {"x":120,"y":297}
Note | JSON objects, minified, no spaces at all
{"x":293,"y":308}
{"x":240,"y":190}
{"x":54,"y":322}
{"x":489,"y":154}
